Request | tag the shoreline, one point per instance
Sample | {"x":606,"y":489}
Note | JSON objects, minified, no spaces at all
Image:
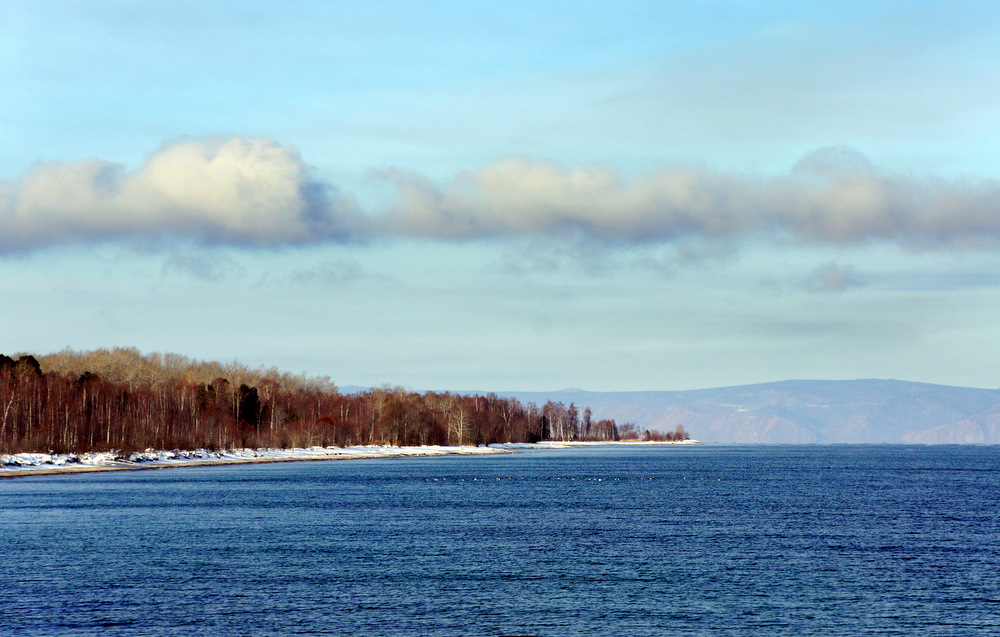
{"x":201,"y":458}
{"x":24,"y":465}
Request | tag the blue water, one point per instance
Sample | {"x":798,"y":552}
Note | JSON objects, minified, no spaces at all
{"x":701,"y":540}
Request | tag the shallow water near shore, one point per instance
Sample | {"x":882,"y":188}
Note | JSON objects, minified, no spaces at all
{"x":825,"y":540}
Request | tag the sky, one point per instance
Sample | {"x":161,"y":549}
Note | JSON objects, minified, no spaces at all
{"x":508,"y":196}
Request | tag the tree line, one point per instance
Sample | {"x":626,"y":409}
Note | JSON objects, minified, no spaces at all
{"x":123,"y":400}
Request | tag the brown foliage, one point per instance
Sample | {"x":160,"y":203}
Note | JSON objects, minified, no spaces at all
{"x":122,"y":399}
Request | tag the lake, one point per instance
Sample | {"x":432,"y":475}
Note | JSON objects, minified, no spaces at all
{"x":634,"y":541}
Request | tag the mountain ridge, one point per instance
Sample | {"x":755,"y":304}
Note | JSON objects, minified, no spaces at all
{"x":804,"y":411}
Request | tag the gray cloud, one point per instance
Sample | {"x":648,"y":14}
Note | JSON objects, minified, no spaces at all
{"x":212,"y":190}
{"x":258,"y":193}
{"x":832,"y":277}
{"x":834,"y":195}
{"x":330,"y":273}
{"x":208,"y":266}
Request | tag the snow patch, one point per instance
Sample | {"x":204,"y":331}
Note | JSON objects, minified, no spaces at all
{"x":151,"y":457}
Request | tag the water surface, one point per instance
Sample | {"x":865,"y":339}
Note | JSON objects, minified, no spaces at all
{"x":697,"y":540}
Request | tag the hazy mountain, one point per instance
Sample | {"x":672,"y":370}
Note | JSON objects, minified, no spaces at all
{"x":796,"y":411}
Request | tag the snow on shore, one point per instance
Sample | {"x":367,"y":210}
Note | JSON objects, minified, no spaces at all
{"x":561,"y":444}
{"x":46,"y":463}
{"x":35,"y":463}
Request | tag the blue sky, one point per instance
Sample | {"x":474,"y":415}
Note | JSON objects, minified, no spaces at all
{"x":508,"y":196}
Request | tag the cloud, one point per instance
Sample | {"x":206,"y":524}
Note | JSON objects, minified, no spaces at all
{"x":329,"y":273}
{"x":832,"y":277}
{"x":206,"y":266}
{"x":257,"y":193}
{"x":213,"y":190}
{"x":834,"y":195}
{"x":516,"y":198}
{"x":335,"y":273}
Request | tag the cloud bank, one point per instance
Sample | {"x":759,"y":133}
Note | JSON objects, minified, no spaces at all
{"x":230,"y":191}
{"x":261,"y":194}
{"x":834,"y":195}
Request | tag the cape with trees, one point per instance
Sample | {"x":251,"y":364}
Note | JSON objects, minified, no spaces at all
{"x":124,"y":400}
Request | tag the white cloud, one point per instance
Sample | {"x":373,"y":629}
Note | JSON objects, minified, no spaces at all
{"x":259,"y":193}
{"x":531,"y":198}
{"x":832,"y":196}
{"x":232,"y":191}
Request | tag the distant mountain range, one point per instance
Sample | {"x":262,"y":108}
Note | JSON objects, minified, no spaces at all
{"x":801,"y":411}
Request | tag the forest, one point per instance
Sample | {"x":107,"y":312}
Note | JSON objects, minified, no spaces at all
{"x":120,"y":399}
